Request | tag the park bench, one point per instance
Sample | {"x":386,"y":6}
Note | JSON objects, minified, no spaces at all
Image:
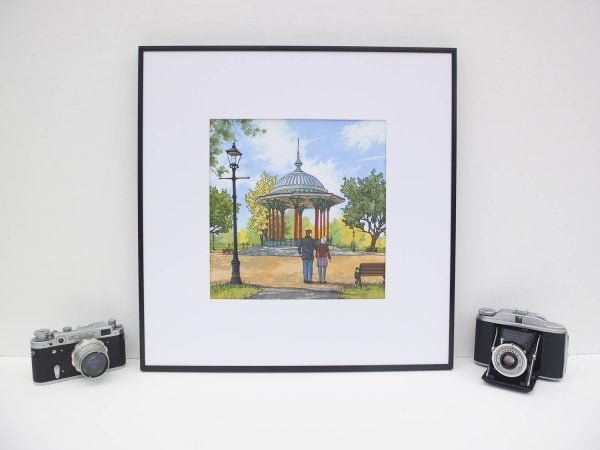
{"x":369,"y":270}
{"x":227,"y":251}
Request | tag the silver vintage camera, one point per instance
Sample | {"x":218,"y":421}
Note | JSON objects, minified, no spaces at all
{"x":518,"y":347}
{"x":88,"y":350}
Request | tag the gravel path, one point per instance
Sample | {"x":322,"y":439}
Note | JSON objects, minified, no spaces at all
{"x":291,"y":294}
{"x":286,"y":272}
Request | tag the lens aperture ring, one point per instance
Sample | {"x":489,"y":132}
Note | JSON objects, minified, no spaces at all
{"x":509,"y":360}
{"x":86,"y":348}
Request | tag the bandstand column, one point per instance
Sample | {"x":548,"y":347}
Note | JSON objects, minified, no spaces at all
{"x":317,"y":222}
{"x":279,"y":225}
{"x":295,"y":223}
{"x":282,"y":225}
{"x":327,"y":223}
{"x":271,"y":224}
{"x":320,"y":223}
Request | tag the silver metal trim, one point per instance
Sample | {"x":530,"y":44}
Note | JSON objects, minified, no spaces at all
{"x":73,"y":336}
{"x":519,"y":354}
{"x":85,"y":348}
{"x":533,"y":358}
{"x":528,"y":320}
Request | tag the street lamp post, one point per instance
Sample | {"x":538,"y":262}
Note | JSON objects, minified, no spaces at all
{"x":234,"y":156}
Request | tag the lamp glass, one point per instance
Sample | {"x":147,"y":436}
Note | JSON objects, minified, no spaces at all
{"x":234,"y":155}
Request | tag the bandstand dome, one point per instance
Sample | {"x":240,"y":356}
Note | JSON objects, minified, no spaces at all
{"x":298,"y":190}
{"x":298,"y":181}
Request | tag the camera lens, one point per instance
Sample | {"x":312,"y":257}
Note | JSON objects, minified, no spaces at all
{"x":94,"y":365}
{"x":90,"y":358}
{"x":509,"y":360}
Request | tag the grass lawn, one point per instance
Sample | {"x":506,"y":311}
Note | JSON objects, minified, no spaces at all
{"x":233,"y":291}
{"x":366,"y":291}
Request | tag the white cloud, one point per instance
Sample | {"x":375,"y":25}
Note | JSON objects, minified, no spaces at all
{"x":362,"y":135}
{"x":277,"y":147}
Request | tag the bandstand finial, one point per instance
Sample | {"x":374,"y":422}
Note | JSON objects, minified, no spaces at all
{"x":298,"y":163}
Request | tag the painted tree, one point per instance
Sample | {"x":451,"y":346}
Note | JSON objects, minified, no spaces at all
{"x":221,"y":213}
{"x":223,"y":133}
{"x":259,"y":214}
{"x":365,"y":209}
{"x":341,"y":234}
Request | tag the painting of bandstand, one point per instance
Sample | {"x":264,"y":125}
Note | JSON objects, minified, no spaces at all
{"x":299,"y":191}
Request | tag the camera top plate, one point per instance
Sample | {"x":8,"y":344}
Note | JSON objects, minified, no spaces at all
{"x":45,"y":338}
{"x":520,"y":318}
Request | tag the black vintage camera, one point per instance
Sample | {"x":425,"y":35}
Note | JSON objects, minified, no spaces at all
{"x":89,"y":351}
{"x":518,"y":347}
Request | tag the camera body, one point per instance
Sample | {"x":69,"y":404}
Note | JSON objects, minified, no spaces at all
{"x":88,"y":350}
{"x":518,"y":347}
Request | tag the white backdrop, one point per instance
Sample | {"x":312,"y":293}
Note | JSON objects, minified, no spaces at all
{"x":528,"y":203}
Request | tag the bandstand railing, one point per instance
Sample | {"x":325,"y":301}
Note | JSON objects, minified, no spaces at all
{"x":285,"y":243}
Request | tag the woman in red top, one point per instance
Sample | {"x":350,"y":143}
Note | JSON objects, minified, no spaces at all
{"x":323,"y":258}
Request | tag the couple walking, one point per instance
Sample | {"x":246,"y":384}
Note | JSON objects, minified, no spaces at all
{"x":308,"y":248}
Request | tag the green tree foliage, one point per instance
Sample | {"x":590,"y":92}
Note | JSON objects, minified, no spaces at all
{"x":341,"y":235}
{"x":259,"y":215}
{"x":245,"y":237}
{"x":221,"y":212}
{"x":289,"y":223}
{"x":223,"y":133}
{"x":253,"y":237}
{"x":365,"y":210}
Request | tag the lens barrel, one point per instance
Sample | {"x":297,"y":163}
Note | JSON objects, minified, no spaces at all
{"x":90,"y":358}
{"x":509,"y":360}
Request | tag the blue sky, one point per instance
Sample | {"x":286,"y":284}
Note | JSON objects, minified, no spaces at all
{"x":329,"y":150}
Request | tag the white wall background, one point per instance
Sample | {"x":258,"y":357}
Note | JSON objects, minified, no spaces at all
{"x":528,"y":205}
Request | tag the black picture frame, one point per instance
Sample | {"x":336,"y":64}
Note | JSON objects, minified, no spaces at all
{"x":144,"y":364}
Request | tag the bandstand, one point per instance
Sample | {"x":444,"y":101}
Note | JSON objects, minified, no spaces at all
{"x":299,"y":191}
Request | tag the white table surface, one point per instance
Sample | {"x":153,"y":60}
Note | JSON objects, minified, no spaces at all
{"x":129,"y":409}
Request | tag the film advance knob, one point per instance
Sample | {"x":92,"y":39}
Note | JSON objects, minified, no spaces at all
{"x":42,"y":335}
{"x":487,"y":311}
{"x":67,"y":329}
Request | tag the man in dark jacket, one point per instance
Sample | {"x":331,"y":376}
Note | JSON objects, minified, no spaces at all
{"x":306,"y":248}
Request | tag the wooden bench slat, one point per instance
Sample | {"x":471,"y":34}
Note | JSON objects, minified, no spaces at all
{"x":369,"y":269}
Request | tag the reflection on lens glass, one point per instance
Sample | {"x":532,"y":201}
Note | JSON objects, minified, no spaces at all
{"x":94,"y":365}
{"x":509,"y":361}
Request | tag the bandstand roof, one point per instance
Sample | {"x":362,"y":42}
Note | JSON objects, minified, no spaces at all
{"x":299,"y":189}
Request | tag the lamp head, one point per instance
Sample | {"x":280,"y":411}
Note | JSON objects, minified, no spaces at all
{"x":234,"y":156}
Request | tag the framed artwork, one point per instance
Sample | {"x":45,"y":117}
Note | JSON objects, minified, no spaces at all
{"x":296,"y":208}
